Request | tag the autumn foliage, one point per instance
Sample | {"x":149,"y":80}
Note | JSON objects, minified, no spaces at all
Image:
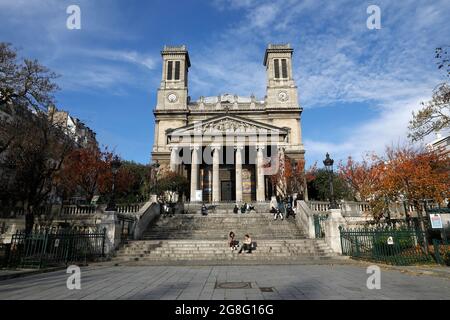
{"x":401,"y":174}
{"x":85,"y":171}
{"x":290,"y":177}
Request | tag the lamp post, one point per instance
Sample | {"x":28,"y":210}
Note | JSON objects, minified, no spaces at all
{"x":115,"y":165}
{"x":328,"y":162}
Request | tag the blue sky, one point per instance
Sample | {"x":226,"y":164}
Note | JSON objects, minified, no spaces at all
{"x":357,"y":86}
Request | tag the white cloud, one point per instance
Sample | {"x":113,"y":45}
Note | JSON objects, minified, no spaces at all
{"x":132,"y":57}
{"x":337,"y":60}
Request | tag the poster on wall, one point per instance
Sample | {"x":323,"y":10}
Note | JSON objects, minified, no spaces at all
{"x":436,"y":221}
{"x":246,"y":181}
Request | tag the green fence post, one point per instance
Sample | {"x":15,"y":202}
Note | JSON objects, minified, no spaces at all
{"x":42,"y":255}
{"x":103,"y":242}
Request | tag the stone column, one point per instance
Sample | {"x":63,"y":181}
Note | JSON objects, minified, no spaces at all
{"x":215,"y":177}
{"x":174,"y":158}
{"x":332,"y":233}
{"x":260,"y":187}
{"x":239,"y":173}
{"x":194,"y":171}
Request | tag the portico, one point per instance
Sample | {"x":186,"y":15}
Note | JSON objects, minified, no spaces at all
{"x":227,"y":158}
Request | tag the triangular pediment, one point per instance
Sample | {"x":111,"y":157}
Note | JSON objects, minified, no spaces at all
{"x":228,"y":124}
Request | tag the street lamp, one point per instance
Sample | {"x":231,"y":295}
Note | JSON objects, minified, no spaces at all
{"x":328,"y":162}
{"x":115,"y":165}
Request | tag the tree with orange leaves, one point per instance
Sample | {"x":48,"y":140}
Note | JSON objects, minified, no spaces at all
{"x":290,"y":176}
{"x":416,"y":175}
{"x":131,"y":183}
{"x":84,"y":172}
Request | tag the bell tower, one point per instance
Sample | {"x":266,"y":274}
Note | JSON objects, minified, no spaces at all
{"x":173,"y":91}
{"x":281,"y":89}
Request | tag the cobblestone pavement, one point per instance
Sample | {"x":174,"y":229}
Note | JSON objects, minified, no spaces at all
{"x":200,"y":282}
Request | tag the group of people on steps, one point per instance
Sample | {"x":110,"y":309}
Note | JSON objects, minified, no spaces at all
{"x":234,"y":244}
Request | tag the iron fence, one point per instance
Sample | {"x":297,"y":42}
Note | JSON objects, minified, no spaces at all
{"x":319,"y":220}
{"x":54,"y":248}
{"x":4,"y":253}
{"x":441,"y":250}
{"x":397,"y":246}
{"x":126,"y":227}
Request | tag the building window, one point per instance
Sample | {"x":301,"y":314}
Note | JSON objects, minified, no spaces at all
{"x":169,"y":70}
{"x":284,"y":72}
{"x":276,"y":68}
{"x":284,"y":69}
{"x":177,"y":70}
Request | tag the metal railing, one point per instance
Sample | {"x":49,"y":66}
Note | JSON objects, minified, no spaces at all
{"x":441,"y":250}
{"x":4,"y":252}
{"x":319,"y":220}
{"x":397,"y":246}
{"x":54,"y":248}
{"x":126,"y":227}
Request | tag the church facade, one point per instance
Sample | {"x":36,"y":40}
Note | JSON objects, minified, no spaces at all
{"x":226,"y":144}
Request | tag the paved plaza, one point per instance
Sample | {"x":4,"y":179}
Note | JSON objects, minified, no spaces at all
{"x":204,"y":283}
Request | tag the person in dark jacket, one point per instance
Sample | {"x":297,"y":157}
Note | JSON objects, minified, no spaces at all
{"x":204,"y":210}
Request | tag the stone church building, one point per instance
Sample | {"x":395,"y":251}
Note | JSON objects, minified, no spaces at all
{"x":226,"y":144}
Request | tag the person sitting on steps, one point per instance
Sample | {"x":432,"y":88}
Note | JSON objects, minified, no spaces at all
{"x":204,"y":210}
{"x":231,"y":241}
{"x":244,"y":208}
{"x":247,"y":244}
{"x":249,"y":208}
{"x":236,"y":208}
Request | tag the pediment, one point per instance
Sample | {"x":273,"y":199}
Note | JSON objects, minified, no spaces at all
{"x":228,"y":124}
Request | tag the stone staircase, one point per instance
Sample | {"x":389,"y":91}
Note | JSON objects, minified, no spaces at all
{"x":196,"y":239}
{"x":218,"y":226}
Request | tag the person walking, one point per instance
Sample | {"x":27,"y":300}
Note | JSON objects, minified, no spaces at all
{"x":289,"y":209}
{"x":280,"y":209}
{"x":273,"y":206}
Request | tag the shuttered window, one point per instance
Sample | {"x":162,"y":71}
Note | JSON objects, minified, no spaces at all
{"x":276,"y":68}
{"x":284,"y":69}
{"x":177,"y":70}
{"x":169,"y":70}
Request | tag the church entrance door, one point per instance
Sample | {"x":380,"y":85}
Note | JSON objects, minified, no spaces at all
{"x":226,"y":190}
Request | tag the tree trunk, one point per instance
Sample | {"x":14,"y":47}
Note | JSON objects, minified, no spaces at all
{"x":422,"y":225}
{"x":29,"y":221}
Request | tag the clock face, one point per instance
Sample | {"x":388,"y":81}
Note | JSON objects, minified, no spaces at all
{"x":172,"y":97}
{"x":283,"y":96}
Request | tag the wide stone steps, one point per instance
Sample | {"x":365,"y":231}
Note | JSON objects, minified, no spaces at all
{"x":196,"y":239}
{"x":191,"y":250}
{"x":217,"y":226}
